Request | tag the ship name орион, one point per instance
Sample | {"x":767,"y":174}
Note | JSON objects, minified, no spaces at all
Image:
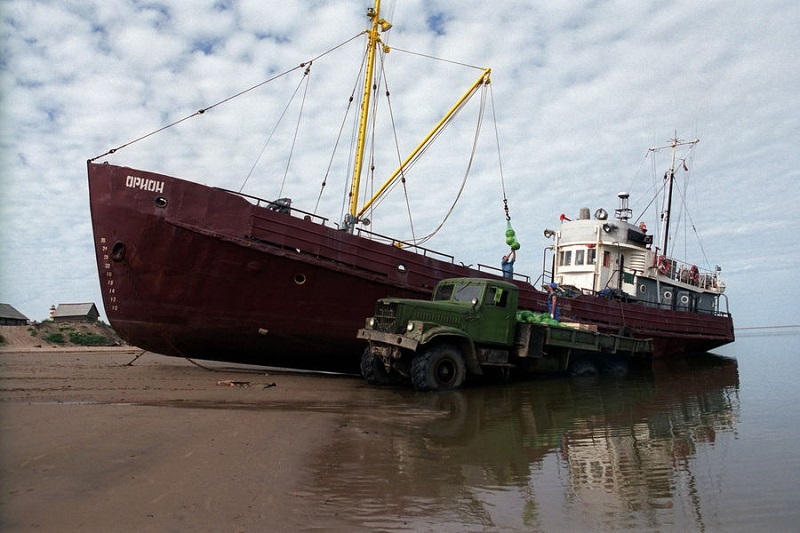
{"x":135,"y":182}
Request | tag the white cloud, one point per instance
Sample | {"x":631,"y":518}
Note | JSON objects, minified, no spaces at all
{"x":581,"y":90}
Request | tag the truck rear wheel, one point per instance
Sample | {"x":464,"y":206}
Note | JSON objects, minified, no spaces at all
{"x":373,"y":369}
{"x":615,"y":368}
{"x":583,"y":368}
{"x":438,"y":368}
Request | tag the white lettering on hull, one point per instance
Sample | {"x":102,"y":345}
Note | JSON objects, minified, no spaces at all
{"x":135,"y":182}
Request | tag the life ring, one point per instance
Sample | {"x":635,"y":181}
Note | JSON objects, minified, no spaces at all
{"x":694,"y":274}
{"x":664,"y":265}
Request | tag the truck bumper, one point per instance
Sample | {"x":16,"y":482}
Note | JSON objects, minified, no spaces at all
{"x":391,"y":339}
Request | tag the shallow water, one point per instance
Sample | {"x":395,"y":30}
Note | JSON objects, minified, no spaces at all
{"x":702,"y":446}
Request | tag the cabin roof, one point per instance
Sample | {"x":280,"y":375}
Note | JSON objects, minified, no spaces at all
{"x":84,"y":309}
{"x":8,"y":311}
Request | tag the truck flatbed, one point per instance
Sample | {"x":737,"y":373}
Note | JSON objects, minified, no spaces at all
{"x":532,"y":340}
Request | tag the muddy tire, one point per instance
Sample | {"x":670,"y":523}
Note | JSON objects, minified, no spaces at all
{"x":438,"y":368}
{"x":374,"y":371}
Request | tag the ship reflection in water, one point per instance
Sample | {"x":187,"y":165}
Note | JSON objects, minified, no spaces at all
{"x":548,"y":455}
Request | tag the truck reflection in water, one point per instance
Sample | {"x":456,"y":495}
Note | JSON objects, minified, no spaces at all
{"x":549,"y":454}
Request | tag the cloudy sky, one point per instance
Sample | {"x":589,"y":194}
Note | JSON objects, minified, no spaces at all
{"x":580,"y":90}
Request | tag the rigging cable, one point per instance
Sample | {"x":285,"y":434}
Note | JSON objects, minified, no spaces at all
{"x":228,"y":99}
{"x":659,"y":189}
{"x":397,"y":149}
{"x":374,"y":100}
{"x":689,"y":215}
{"x":436,"y":58}
{"x":274,"y":129}
{"x":353,"y":136}
{"x":433,"y":138}
{"x":422,"y":152}
{"x":335,"y":147}
{"x":655,"y":195}
{"x":296,"y":130}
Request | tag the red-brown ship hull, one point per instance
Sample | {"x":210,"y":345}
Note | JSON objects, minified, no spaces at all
{"x":192,"y":271}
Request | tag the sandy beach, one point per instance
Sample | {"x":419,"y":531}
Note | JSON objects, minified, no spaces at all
{"x":93,"y":443}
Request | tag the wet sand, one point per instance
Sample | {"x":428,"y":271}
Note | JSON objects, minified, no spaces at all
{"x":90,"y":443}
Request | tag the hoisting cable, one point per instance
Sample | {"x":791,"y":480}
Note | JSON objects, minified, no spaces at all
{"x":499,"y":157}
{"x":225,"y":100}
{"x":467,"y":171}
{"x":511,"y":236}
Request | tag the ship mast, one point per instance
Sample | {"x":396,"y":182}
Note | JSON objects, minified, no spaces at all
{"x":373,"y":40}
{"x":379,"y":25}
{"x":669,"y":176}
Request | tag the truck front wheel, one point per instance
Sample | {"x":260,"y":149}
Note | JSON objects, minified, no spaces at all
{"x":373,"y":369}
{"x":438,"y":368}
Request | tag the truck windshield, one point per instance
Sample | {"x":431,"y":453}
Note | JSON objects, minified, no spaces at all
{"x":462,"y":292}
{"x":443,"y":293}
{"x":466,"y":292}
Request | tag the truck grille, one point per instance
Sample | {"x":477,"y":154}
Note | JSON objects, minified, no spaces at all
{"x":385,"y":316}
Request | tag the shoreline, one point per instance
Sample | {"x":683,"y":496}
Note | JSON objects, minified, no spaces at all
{"x":90,"y":442}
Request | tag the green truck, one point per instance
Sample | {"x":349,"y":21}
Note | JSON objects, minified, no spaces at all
{"x":472,"y":327}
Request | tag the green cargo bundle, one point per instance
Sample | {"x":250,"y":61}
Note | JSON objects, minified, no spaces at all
{"x":529,"y":317}
{"x":511,"y":237}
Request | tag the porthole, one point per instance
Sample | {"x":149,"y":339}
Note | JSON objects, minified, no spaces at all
{"x":642,"y":288}
{"x":685,"y":299}
{"x":161,"y":202}
{"x":668,"y":295}
{"x":300,"y":278}
{"x":401,"y":268}
{"x":118,"y":252}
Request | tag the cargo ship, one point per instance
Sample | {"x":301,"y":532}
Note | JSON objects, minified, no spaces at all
{"x":201,"y":272}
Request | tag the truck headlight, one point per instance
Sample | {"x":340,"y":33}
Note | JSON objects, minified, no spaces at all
{"x":371,"y":322}
{"x":410,"y":326}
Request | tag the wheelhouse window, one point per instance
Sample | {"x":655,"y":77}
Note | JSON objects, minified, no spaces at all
{"x":565,"y":258}
{"x":591,"y":256}
{"x":606,"y":259}
{"x":579,"y":257}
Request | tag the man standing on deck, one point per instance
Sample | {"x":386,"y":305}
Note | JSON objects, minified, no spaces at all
{"x":552,"y":302}
{"x":507,"y":264}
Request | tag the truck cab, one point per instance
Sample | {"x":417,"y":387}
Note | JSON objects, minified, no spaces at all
{"x":435,"y":342}
{"x":488,"y":308}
